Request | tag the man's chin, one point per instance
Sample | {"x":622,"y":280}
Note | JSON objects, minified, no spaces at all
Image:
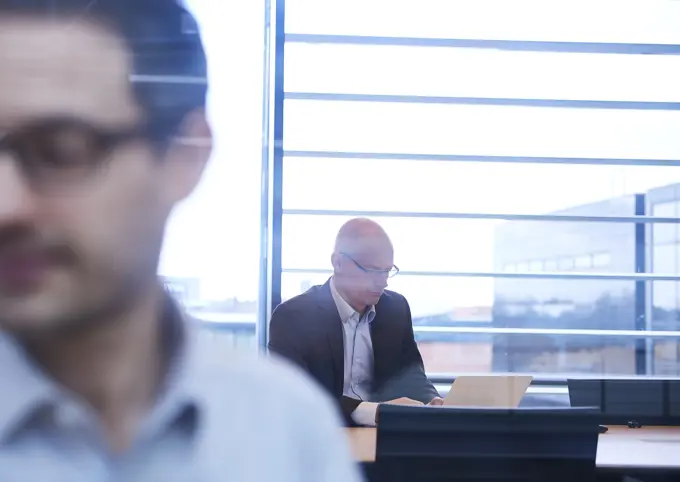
{"x":373,"y":298}
{"x":34,"y":314}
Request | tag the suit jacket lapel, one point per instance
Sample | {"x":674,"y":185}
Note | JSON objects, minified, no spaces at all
{"x":331,"y":319}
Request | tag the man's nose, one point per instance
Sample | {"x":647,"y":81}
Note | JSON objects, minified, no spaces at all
{"x":16,"y":196}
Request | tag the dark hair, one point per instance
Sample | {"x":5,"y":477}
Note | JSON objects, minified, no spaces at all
{"x":168,"y":61}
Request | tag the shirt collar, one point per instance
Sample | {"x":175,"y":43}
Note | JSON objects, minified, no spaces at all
{"x":182,"y":388}
{"x":25,"y":388}
{"x":344,"y":309}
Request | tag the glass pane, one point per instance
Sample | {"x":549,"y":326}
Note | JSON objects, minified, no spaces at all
{"x":538,"y":354}
{"x":456,"y":72}
{"x":460,"y":303}
{"x":508,"y":303}
{"x":666,"y":233}
{"x":480,"y":130}
{"x":666,"y":259}
{"x":551,"y":265}
{"x":566,"y":263}
{"x":666,"y":303}
{"x":601,"y":260}
{"x":665,"y":309}
{"x":583,"y":262}
{"x":468,"y":245}
{"x":445,"y":187}
{"x":213,"y":271}
{"x":536,"y":266}
{"x":666,"y":355}
{"x":633,"y":21}
{"x":666,"y":294}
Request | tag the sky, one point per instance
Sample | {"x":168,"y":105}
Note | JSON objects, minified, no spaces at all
{"x":215,"y":234}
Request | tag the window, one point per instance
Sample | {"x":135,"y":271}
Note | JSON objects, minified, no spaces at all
{"x":509,"y":188}
{"x":525,"y":304}
{"x":601,"y":260}
{"x":455,"y":248}
{"x":636,"y":21}
{"x":566,"y":263}
{"x":551,"y":265}
{"x":212,"y":268}
{"x":536,"y":266}
{"x":454,"y":187}
{"x":666,"y":308}
{"x":583,"y":262}
{"x":480,"y":129}
{"x":445,"y":245}
{"x":413,"y":70}
{"x":666,"y":233}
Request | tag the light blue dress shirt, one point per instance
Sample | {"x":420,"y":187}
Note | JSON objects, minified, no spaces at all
{"x":223,"y":417}
{"x":358,"y":347}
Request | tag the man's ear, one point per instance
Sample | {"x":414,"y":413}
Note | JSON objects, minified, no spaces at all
{"x":187,"y":156}
{"x":335,"y":261}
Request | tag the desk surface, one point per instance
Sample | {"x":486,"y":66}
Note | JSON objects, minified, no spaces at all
{"x":620,"y":447}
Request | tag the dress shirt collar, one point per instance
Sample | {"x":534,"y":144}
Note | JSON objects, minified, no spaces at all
{"x":26,"y":389}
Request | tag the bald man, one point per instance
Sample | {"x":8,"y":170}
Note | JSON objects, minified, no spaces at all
{"x":351,"y":334}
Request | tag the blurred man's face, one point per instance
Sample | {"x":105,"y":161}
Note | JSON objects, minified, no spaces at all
{"x":364,"y":272}
{"x":75,"y":242}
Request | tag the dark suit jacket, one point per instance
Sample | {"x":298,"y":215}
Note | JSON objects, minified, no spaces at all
{"x":308,"y":331}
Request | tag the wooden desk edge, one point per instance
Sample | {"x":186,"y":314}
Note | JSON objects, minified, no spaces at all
{"x":362,"y":442}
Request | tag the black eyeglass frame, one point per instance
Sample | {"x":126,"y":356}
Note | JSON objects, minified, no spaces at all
{"x":22,"y":145}
{"x":389,"y":273}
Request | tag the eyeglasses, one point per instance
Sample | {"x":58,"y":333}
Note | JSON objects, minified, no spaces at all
{"x":393,"y":271}
{"x":57,"y":151}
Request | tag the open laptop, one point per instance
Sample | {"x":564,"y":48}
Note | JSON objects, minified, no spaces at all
{"x":488,"y":391}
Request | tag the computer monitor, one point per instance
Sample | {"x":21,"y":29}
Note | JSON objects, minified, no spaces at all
{"x":635,"y":401}
{"x":445,"y":443}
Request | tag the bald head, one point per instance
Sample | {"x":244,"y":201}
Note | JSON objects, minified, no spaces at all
{"x":362,"y":260}
{"x":359,"y":234}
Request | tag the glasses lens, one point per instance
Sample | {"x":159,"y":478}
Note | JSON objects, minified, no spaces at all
{"x":60,"y":149}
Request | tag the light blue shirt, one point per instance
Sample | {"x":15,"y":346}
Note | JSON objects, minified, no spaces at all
{"x":358,"y":380}
{"x":223,"y":417}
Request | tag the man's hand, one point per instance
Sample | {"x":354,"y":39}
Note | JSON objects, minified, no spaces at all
{"x":404,"y":401}
{"x":436,"y":402}
{"x":399,"y":401}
